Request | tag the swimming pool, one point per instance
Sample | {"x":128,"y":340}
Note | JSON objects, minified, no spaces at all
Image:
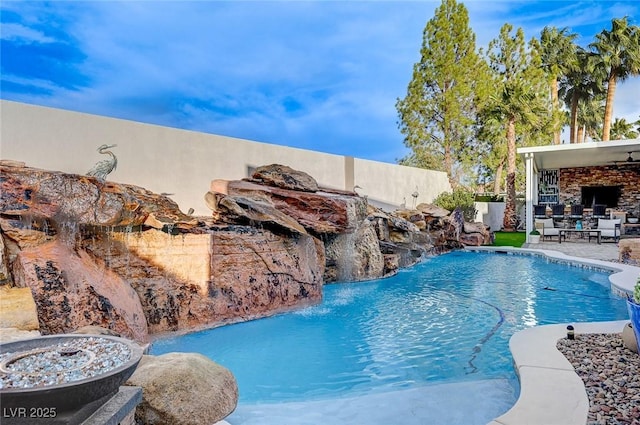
{"x":432,"y":340}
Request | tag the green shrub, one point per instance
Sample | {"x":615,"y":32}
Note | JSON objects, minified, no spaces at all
{"x":459,"y":198}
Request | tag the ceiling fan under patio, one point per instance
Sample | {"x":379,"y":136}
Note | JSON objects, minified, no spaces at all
{"x":629,"y":161}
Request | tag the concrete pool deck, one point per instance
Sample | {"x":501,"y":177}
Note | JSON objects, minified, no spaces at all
{"x":551,"y":393}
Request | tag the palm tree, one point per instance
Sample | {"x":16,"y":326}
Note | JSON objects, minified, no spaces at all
{"x":517,"y":99}
{"x":589,"y":122}
{"x":581,"y":83}
{"x":617,"y":53}
{"x":621,"y":129}
{"x":558,"y":53}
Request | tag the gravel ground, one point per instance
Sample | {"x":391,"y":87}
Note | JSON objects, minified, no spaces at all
{"x":611,"y":374}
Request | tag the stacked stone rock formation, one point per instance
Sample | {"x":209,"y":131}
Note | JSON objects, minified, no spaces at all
{"x":122,"y":257}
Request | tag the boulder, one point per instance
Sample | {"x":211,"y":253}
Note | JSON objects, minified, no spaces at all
{"x":13,"y":334}
{"x":285,"y":177}
{"x":5,"y":275}
{"x":354,"y":256}
{"x":472,"y":239}
{"x":22,"y":234}
{"x":61,"y":202}
{"x":432,"y":210}
{"x":244,"y":210}
{"x":255,"y":272}
{"x":407,"y":254}
{"x":399,"y":223}
{"x":454,"y":224}
{"x":391,"y":263}
{"x":319,"y":213}
{"x":17,"y":309}
{"x":380,"y":226}
{"x":475,"y":234}
{"x":71,"y":290}
{"x":629,"y":250}
{"x":183,"y":389}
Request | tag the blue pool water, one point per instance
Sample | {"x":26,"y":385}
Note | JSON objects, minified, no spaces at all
{"x":437,"y":329}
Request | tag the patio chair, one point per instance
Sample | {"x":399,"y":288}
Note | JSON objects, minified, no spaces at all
{"x":577,"y":213}
{"x":599,"y":211}
{"x":539,"y":211}
{"x":546,"y":228}
{"x":609,"y":228}
{"x":557,"y":212}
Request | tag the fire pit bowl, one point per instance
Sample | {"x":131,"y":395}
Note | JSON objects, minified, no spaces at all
{"x":62,"y":378}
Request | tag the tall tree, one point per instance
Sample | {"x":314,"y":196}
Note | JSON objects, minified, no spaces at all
{"x":589,"y":118}
{"x":617,"y":53}
{"x":621,"y":129}
{"x":438,"y":113}
{"x":558,"y":53}
{"x":581,"y":83}
{"x":520,"y":98}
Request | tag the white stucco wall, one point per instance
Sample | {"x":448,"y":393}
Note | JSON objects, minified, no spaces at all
{"x":492,"y":213}
{"x":183,"y":163}
{"x":394,"y":184}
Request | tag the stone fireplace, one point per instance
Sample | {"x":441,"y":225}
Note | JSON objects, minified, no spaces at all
{"x":618,"y":187}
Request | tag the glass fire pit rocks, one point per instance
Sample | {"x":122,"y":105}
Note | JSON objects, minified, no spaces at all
{"x":62,"y":378}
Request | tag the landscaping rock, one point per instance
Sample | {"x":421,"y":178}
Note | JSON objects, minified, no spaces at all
{"x":629,"y":250}
{"x":320,"y":213}
{"x":244,"y":210}
{"x":13,"y":334}
{"x":285,"y":177}
{"x":183,"y":389}
{"x":17,"y":309}
{"x":432,"y":210}
{"x":72,"y":290}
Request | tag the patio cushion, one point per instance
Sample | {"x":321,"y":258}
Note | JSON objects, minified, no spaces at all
{"x":546,"y":222}
{"x":608,"y":228}
{"x":608,"y":223}
{"x":546,"y":227}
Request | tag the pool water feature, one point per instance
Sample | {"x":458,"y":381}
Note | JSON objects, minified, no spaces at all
{"x":430,"y":344}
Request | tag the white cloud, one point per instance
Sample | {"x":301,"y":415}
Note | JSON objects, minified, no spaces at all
{"x":21,"y":34}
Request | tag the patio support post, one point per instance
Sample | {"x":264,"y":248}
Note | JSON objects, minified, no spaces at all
{"x":530,"y":196}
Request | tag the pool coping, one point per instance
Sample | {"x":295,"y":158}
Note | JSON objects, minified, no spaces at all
{"x":550,"y":391}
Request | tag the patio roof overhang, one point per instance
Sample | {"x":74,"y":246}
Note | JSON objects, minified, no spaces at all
{"x":590,"y":154}
{"x":581,"y":154}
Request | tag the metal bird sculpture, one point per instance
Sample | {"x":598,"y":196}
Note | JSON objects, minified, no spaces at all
{"x":415,"y":196}
{"x":104,"y":167}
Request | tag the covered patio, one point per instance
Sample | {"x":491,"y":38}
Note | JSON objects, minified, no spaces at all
{"x":584,"y":174}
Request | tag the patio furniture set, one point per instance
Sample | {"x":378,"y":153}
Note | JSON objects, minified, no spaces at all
{"x":596,"y":223}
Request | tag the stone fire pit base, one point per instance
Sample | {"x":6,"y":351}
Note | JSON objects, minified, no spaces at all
{"x":119,"y":410}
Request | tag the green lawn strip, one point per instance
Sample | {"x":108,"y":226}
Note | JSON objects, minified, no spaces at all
{"x":515,"y":239}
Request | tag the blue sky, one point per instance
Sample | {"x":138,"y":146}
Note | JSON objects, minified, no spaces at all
{"x":321,"y":75}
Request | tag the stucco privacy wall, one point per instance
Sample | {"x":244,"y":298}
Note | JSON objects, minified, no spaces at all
{"x":183,"y":163}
